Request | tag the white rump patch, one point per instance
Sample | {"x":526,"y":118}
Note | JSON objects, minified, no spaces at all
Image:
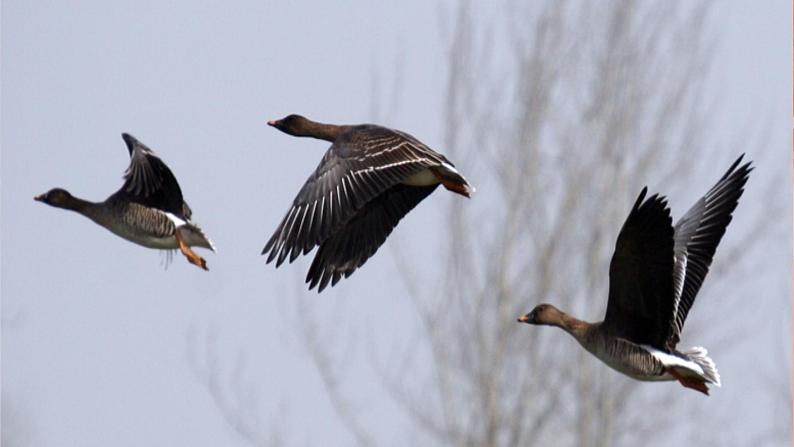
{"x":191,"y":233}
{"x":669,"y":360}
{"x":177,"y":221}
{"x":699,"y":355}
{"x":697,"y":363}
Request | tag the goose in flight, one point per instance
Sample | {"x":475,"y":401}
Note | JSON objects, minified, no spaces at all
{"x":148,"y":209}
{"x":369,"y":178}
{"x":655,"y":274}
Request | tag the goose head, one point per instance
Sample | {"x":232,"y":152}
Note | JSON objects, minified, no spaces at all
{"x":292,"y":124}
{"x":57,"y":197}
{"x":543,"y":314}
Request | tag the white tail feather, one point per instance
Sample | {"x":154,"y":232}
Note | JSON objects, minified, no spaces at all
{"x":694,"y":361}
{"x":699,"y":355}
{"x":202,"y":240}
{"x":191,"y":233}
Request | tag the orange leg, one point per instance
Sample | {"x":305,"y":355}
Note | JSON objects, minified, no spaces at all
{"x":451,"y":185}
{"x":191,"y":255}
{"x":690,"y":382}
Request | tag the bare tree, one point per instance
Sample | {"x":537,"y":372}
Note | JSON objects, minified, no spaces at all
{"x":235,"y":397}
{"x":560,"y":117}
{"x":591,"y":101}
{"x":597,"y":99}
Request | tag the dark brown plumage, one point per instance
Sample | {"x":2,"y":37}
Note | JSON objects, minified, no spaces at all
{"x":148,"y":209}
{"x":655,"y":274}
{"x":369,"y":178}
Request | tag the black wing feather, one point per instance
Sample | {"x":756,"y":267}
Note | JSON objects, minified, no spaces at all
{"x":149,"y":182}
{"x":641,"y":275}
{"x":351,"y":246}
{"x":697,"y":235}
{"x":356,"y":169}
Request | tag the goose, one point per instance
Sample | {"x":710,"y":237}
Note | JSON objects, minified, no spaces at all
{"x":148,"y":209}
{"x":654,"y":276}
{"x":369,"y":178}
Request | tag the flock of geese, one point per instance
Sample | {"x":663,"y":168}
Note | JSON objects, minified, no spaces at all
{"x":372,"y":176}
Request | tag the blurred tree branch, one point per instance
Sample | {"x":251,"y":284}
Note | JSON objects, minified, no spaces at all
{"x":236,"y":399}
{"x":601,"y":98}
{"x":595,"y":100}
{"x":327,"y":367}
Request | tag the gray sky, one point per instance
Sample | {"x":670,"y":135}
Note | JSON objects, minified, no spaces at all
{"x":94,"y":329}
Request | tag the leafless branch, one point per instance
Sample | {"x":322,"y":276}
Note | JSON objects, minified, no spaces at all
{"x":327,"y":367}
{"x":590,"y":103}
{"x":235,"y":397}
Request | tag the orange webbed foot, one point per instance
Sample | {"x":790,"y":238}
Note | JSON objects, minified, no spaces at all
{"x":690,"y":382}
{"x":197,"y":260}
{"x":192,"y":256}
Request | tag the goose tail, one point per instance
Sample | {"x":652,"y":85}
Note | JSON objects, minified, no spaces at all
{"x":700,"y":356}
{"x":194,"y":236}
{"x":453,"y":180}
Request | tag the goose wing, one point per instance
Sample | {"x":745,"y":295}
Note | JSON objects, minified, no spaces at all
{"x":640,"y":302}
{"x":149,"y":182}
{"x":359,"y":239}
{"x":361,"y":165}
{"x":697,"y":235}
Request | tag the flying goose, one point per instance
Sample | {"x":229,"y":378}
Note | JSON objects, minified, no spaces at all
{"x":148,"y":209}
{"x":655,"y":274}
{"x":369,"y":178}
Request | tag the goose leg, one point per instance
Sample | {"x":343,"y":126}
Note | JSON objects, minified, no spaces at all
{"x":690,"y":382}
{"x":191,"y":255}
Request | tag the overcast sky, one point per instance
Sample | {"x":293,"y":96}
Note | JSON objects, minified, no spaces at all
{"x":96,"y":333}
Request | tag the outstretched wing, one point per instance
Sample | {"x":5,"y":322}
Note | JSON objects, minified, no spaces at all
{"x":359,"y":239}
{"x":149,"y":182}
{"x":641,"y":275}
{"x":697,"y":235}
{"x":354,"y":171}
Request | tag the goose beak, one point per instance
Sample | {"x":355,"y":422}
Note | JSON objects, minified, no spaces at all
{"x":39,"y":198}
{"x":271,"y":123}
{"x":523,"y":319}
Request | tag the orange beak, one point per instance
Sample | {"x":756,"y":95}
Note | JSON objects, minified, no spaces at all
{"x":523,"y":319}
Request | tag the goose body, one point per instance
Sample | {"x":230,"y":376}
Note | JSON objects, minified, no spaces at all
{"x":148,"y":209}
{"x":369,"y":178}
{"x":654,"y":276}
{"x":149,"y":227}
{"x":644,"y":362}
